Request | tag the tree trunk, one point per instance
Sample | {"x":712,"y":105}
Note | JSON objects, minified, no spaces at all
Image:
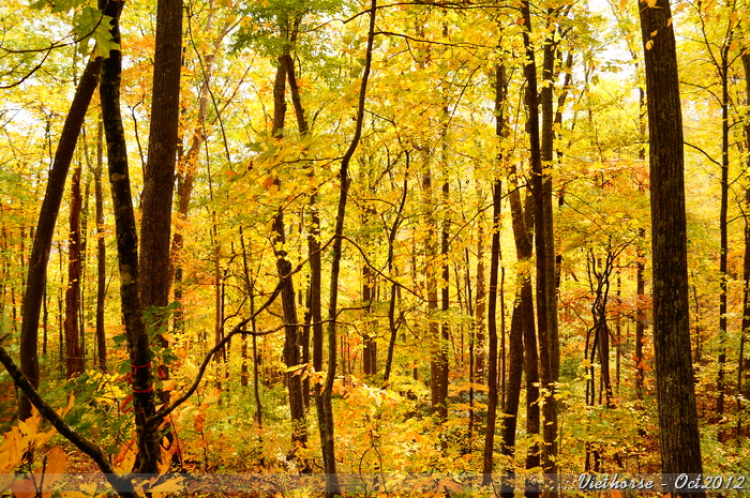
{"x":549,"y":348}
{"x":723,"y":227}
{"x":73,"y":351}
{"x":678,"y":418}
{"x":284,"y":268}
{"x":489,"y":440}
{"x":538,"y":185}
{"x":101,"y":263}
{"x":746,"y":263}
{"x":162,"y":153}
{"x":127,"y":251}
{"x":35,"y":282}
{"x":323,"y":400}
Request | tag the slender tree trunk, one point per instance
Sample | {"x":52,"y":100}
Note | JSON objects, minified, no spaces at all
{"x":127,"y":251}
{"x":323,"y":400}
{"x":32,"y":302}
{"x":549,"y":348}
{"x":523,"y":330}
{"x":538,"y":185}
{"x":74,"y":354}
{"x":479,"y":310}
{"x":678,"y":418}
{"x":746,"y":263}
{"x":489,"y":440}
{"x":284,"y":268}
{"x":445,"y":340}
{"x":723,"y":229}
{"x":101,"y":262}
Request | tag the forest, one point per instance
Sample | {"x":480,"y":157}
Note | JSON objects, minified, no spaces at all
{"x":374,"y":248}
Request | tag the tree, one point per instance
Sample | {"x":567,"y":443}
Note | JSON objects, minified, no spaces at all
{"x":678,"y":418}
{"x":35,"y":283}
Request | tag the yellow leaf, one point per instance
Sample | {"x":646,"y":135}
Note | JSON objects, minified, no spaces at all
{"x":623,"y":4}
{"x":649,"y":44}
{"x":651,"y":3}
{"x":125,"y":458}
{"x":170,"y":486}
{"x":57,"y":461}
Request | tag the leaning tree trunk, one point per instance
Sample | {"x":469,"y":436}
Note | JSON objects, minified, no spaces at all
{"x":35,"y":283}
{"x":678,"y":417}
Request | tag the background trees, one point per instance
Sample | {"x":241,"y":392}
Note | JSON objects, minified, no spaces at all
{"x":427,"y":184}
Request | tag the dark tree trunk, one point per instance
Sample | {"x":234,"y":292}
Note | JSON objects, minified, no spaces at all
{"x":73,"y":351}
{"x":640,"y":324}
{"x":323,"y":400}
{"x":445,"y":340}
{"x":549,"y":348}
{"x":746,"y":264}
{"x":723,"y":227}
{"x":678,"y":418}
{"x":522,"y":326}
{"x":489,"y":439}
{"x":538,"y":185}
{"x":479,"y":310}
{"x":392,"y":325}
{"x":35,"y":281}
{"x":162,"y":154}
{"x":284,"y":268}
{"x":369,"y":351}
{"x":501,"y":131}
{"x":101,"y":263}
{"x":127,"y":251}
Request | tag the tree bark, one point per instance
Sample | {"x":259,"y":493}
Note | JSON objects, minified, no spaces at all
{"x":678,"y":418}
{"x":284,"y":268}
{"x":162,"y":153}
{"x":127,"y":250}
{"x":35,"y":282}
{"x":73,"y":351}
{"x":101,"y":262}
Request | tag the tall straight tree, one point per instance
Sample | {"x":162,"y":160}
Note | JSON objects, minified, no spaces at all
{"x":162,"y":154}
{"x":541,"y":189}
{"x":678,"y":417}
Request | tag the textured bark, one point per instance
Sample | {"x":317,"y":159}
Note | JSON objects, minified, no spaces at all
{"x":35,"y":282}
{"x":162,"y":153}
{"x":678,"y":419}
{"x":73,"y":351}
{"x":127,"y":251}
